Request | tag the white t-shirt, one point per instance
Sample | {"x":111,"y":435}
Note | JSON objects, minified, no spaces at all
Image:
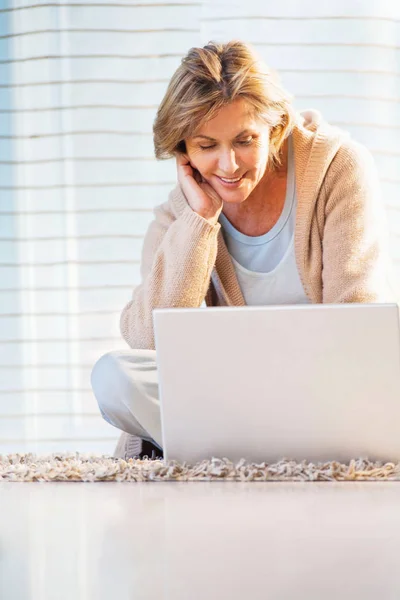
{"x":265,"y":265}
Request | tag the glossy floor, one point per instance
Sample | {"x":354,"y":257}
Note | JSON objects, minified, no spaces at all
{"x":75,"y":541}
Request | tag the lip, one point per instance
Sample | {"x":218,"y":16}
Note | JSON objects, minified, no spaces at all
{"x":234,"y":185}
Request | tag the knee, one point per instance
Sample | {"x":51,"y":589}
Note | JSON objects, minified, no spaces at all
{"x":103,"y":379}
{"x":103,"y":369}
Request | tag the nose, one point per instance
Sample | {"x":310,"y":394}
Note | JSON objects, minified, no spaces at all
{"x":227,"y":163}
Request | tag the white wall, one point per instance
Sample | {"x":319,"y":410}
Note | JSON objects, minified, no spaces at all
{"x":78,"y":180}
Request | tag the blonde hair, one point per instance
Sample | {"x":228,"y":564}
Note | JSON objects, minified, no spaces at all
{"x":209,"y":78}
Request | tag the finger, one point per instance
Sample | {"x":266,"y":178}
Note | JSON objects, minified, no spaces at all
{"x":209,"y":190}
{"x":182,"y":159}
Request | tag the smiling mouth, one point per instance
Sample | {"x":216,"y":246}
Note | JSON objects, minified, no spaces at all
{"x":232,"y":180}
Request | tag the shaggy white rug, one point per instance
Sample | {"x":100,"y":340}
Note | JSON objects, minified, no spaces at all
{"x":87,"y":467}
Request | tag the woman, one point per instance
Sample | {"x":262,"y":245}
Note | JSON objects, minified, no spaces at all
{"x":271,"y":207}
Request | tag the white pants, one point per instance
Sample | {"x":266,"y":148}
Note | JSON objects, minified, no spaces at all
{"x":125,"y":384}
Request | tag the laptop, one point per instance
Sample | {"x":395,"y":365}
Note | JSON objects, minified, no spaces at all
{"x":305,"y":382}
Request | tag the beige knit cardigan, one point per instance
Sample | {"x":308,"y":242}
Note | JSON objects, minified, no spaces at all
{"x":339,"y":238}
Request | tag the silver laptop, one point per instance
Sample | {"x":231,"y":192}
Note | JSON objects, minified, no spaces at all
{"x":315,"y":382}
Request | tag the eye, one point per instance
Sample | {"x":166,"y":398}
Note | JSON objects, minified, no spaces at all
{"x":246,"y":142}
{"x":242,"y":143}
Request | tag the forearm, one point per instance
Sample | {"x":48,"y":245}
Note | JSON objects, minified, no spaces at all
{"x":179,"y":277}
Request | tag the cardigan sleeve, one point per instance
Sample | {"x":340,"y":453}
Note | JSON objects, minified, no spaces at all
{"x":178,"y":256}
{"x":355,"y":256}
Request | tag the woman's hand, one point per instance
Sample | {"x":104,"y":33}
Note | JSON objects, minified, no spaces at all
{"x":201,"y":197}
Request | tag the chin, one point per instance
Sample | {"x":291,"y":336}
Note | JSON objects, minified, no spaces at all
{"x":235,"y":197}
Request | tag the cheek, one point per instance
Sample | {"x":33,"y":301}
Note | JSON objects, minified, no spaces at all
{"x":200,"y":162}
{"x":258,"y":159}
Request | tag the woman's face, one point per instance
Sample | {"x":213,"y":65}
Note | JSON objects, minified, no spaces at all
{"x":231,"y":151}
